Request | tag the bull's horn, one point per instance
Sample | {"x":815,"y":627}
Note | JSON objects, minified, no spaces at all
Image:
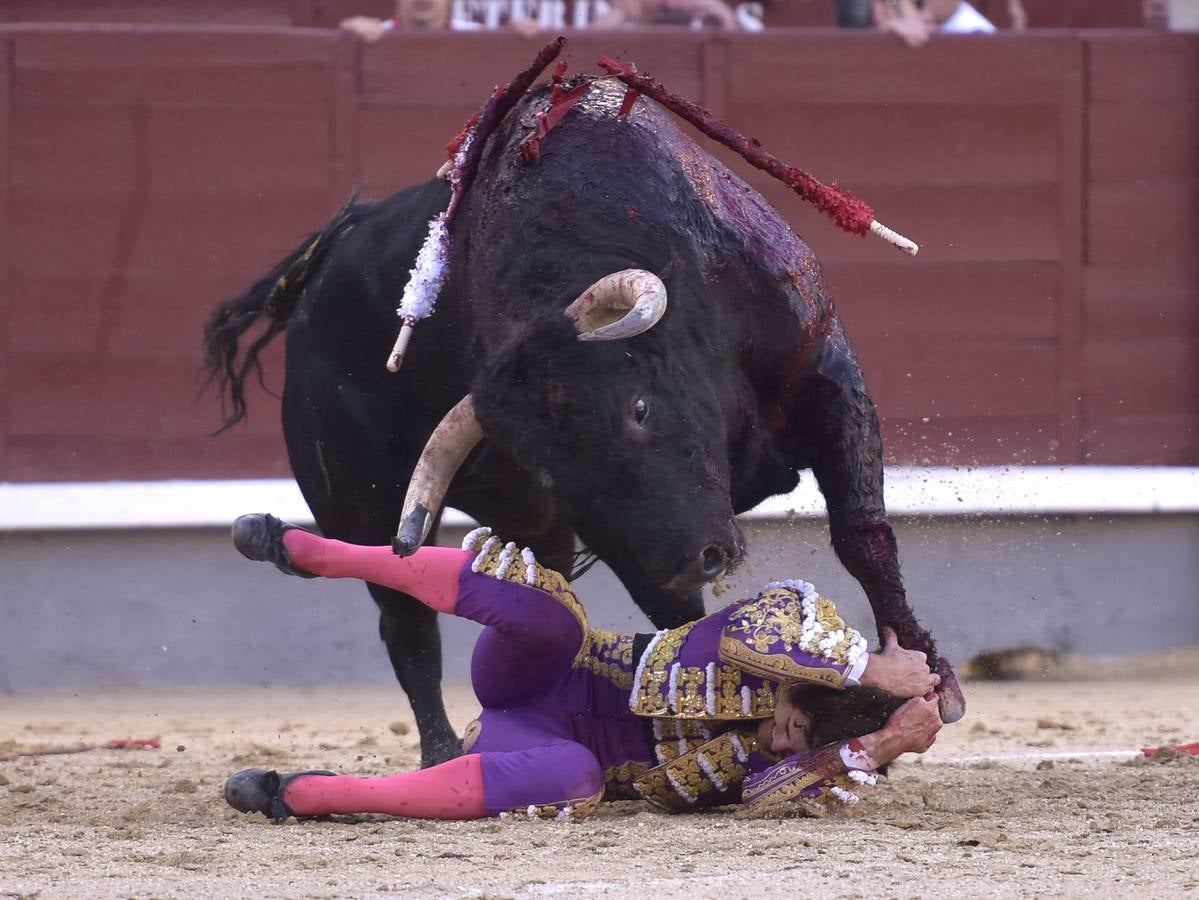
{"x":446,"y":450}
{"x":618,"y":306}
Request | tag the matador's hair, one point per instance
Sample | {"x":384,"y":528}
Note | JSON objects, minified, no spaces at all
{"x":838,"y":715}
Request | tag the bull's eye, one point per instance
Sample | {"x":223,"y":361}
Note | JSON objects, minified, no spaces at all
{"x":640,"y":410}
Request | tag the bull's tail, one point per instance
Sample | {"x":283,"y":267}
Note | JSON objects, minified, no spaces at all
{"x":272,"y":299}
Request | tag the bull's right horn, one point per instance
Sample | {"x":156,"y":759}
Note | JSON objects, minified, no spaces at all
{"x":446,"y":450}
{"x":618,"y":306}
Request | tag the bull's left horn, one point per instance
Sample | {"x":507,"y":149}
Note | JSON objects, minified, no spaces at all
{"x":446,"y":450}
{"x":618,"y":306}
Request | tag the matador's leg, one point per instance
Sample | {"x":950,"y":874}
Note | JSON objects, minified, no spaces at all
{"x":531,"y":635}
{"x":546,"y":778}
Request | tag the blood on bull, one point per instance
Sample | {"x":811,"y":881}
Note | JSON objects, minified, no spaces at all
{"x":630,"y":346}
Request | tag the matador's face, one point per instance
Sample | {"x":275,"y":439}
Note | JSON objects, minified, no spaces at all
{"x":787,"y":732}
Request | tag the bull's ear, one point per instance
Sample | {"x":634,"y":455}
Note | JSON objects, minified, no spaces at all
{"x":445,"y":451}
{"x":619,"y":306}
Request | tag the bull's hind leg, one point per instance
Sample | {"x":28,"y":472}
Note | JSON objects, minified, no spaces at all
{"x":354,"y":483}
{"x":846,"y":453}
{"x":410,"y":632}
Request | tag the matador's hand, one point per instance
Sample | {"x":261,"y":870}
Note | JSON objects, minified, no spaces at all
{"x":903,"y":673}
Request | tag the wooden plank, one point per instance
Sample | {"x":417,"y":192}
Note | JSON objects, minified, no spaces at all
{"x":1166,"y":144}
{"x":231,"y":231}
{"x":915,"y":378}
{"x":60,"y":313}
{"x":188,"y":149}
{"x":120,"y":47}
{"x":8,"y":296}
{"x":1144,"y":66}
{"x":909,"y":298}
{"x":126,"y":395}
{"x":144,"y":456}
{"x":1147,"y":301}
{"x":1071,"y":13}
{"x":907,"y":143}
{"x":1141,"y":377}
{"x":1072,"y":98}
{"x":345,"y":165}
{"x":402,"y":146}
{"x":1131,"y":223}
{"x":177,"y":12}
{"x":1161,"y":440}
{"x":801,"y":14}
{"x":716,"y":77}
{"x":876,"y":69}
{"x":964,"y":441}
{"x":250,"y":84}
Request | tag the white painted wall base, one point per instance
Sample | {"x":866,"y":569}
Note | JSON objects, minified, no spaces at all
{"x":159,"y":606}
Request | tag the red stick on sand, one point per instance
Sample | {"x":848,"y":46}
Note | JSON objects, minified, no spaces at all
{"x":1191,"y":749}
{"x":117,"y":744}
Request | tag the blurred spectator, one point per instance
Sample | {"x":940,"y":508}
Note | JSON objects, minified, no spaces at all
{"x":914,"y":23}
{"x":955,"y":17}
{"x":696,"y":13}
{"x":855,"y":13}
{"x":902,"y":19}
{"x":1156,"y":13}
{"x":423,"y":15}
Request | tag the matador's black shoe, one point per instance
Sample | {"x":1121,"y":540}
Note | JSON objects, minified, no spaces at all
{"x":259,"y":536}
{"x":260,"y":790}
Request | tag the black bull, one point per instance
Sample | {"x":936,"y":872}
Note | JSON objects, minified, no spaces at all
{"x":644,"y":448}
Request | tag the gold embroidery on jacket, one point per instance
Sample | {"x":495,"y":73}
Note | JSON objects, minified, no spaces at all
{"x":655,"y":674}
{"x":681,"y":782}
{"x":610,"y":655}
{"x":618,"y":780}
{"x":691,"y":689}
{"x":776,"y":666}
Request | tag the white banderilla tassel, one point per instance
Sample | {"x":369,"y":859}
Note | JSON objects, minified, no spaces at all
{"x":909,"y":247}
{"x":401,"y":345}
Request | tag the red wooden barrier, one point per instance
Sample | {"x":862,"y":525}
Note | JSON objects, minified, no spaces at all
{"x":327,"y":13}
{"x":146,"y":173}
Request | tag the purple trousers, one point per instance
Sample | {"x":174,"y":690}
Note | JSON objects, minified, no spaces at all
{"x":551,"y":725}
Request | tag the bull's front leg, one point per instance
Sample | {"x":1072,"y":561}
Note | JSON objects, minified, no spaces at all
{"x":846,"y":454}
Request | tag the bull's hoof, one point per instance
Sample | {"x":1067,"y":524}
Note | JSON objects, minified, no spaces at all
{"x":950,"y":700}
{"x":436,"y":752}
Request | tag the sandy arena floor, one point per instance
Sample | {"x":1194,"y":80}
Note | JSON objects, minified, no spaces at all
{"x":151,"y":823}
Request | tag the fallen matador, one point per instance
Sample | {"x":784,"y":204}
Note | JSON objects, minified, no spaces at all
{"x":772,"y":699}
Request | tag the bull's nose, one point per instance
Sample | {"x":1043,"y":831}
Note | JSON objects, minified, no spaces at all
{"x":713,"y":560}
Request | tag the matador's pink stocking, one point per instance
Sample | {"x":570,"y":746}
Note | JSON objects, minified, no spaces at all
{"x":430,"y":574}
{"x":452,"y":790}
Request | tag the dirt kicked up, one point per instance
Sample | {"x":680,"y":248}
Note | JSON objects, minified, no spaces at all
{"x":151,"y":823}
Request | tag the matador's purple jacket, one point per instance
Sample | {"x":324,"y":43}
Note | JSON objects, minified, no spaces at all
{"x":572,"y":714}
